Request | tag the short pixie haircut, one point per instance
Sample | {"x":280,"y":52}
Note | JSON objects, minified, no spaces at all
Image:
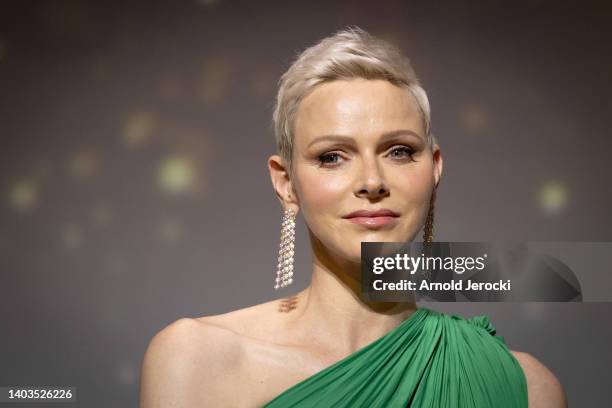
{"x":348,"y":54}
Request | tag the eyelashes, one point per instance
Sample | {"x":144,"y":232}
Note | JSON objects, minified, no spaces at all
{"x":325,"y":158}
{"x":400,"y":153}
{"x":408,"y":151}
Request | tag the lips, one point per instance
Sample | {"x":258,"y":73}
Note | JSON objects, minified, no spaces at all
{"x":373,"y":219}
{"x":372,"y":213}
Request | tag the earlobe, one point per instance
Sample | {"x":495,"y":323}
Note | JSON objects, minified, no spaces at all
{"x":292,"y":197}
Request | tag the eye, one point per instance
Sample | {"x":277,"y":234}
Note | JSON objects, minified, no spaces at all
{"x":329,"y":158}
{"x":401,"y":152}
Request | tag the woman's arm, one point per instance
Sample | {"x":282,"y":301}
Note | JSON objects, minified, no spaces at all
{"x":186,"y":365}
{"x":543,"y":388}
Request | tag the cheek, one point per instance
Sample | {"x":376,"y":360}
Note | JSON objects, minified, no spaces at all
{"x":415,"y":187}
{"x":412,"y":179}
{"x":322,"y":193}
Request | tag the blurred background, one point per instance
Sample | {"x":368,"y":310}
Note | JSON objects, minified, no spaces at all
{"x":134,"y":188}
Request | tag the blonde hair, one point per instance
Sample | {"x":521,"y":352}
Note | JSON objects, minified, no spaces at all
{"x":350,"y":53}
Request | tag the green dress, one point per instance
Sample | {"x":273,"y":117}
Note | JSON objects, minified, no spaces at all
{"x":431,"y":359}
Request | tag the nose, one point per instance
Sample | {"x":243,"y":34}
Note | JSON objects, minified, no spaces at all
{"x":371,"y":182}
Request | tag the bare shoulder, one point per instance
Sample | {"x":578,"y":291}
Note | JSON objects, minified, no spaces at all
{"x":187,"y":364}
{"x":256,"y":321}
{"x":198,"y":361}
{"x":543,"y":388}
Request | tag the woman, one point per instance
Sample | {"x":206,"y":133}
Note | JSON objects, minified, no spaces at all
{"x":357,"y":158}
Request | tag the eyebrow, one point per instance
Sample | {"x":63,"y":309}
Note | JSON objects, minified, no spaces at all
{"x":385,"y":136}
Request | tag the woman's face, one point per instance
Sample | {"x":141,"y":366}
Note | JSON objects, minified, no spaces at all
{"x":360,"y":145}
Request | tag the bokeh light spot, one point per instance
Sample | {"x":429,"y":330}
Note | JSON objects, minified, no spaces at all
{"x":138,"y":128}
{"x":553,"y":197}
{"x":474,"y":118}
{"x":176,"y":174}
{"x":215,"y":80}
{"x":83,"y":165}
{"x":23,"y":195}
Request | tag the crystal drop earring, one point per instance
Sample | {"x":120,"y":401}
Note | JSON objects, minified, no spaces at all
{"x":429,"y":223}
{"x":284,"y":271}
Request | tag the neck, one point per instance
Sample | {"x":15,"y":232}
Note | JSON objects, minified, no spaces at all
{"x":332,"y":307}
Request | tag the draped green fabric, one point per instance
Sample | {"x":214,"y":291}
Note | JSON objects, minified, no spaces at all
{"x":431,"y":359}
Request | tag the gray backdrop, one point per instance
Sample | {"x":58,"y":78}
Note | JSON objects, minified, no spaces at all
{"x":134,"y":139}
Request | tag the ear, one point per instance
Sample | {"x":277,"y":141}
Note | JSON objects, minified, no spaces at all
{"x":438,"y":163}
{"x":282,"y":183}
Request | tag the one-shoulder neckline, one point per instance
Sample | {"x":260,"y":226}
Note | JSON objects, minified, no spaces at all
{"x":419,"y":311}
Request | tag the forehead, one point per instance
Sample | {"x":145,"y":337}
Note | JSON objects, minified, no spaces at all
{"x":357,"y":108}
